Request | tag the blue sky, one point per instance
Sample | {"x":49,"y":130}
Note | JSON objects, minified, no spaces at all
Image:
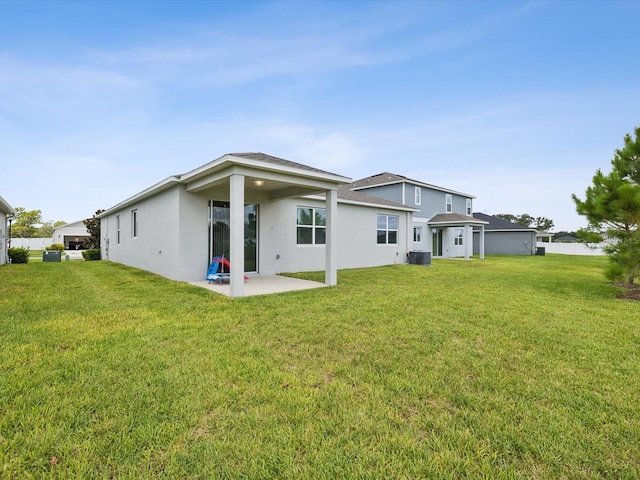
{"x":517,"y":103}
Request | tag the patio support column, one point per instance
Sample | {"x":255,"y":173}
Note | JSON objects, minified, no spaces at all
{"x":481,"y":242}
{"x":331,"y":261}
{"x":236,"y":244}
{"x":409,"y":242}
{"x":468,"y":240}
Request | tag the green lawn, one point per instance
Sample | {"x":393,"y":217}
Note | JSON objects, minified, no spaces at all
{"x":511,"y":367}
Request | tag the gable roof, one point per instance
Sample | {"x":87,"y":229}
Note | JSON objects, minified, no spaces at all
{"x":260,"y":163}
{"x":263,"y":157}
{"x":79,"y":223}
{"x":386,"y":178}
{"x":497,"y":224}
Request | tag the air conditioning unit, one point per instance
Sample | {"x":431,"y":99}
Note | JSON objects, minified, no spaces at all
{"x":420,"y":258}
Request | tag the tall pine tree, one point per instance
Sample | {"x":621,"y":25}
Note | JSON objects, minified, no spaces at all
{"x":612,"y":207}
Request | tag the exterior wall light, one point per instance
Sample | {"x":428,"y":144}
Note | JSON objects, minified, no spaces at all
{"x":258,"y":183}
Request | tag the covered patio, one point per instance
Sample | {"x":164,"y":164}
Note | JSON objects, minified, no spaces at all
{"x":465,"y":222}
{"x":235,"y":177}
{"x":262,"y":285}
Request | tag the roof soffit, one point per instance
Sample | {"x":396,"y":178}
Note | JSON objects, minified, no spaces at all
{"x":453,"y":219}
{"x":277,"y":184}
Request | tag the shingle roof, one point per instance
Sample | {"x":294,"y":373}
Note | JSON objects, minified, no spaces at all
{"x":386,"y":178}
{"x":495,"y":223}
{"x":379,"y":179}
{"x":345,"y":193}
{"x":263,"y":157}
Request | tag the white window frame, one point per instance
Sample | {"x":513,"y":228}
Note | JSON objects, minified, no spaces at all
{"x":117,"y":229}
{"x":448,"y":203}
{"x":313,"y":226}
{"x":458,"y":238}
{"x":469,"y":208}
{"x":134,"y":223}
{"x":418,"y":196}
{"x":383,"y":226}
{"x":417,"y":234}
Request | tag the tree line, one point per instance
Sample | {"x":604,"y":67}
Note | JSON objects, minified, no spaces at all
{"x":542,"y":224}
{"x":29,"y":224}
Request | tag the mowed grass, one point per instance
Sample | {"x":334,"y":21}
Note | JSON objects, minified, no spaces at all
{"x":511,"y":367}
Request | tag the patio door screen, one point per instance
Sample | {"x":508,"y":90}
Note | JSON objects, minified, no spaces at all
{"x":220,"y":237}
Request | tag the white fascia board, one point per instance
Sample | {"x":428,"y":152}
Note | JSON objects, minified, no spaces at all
{"x":205,"y":180}
{"x":531,"y":230}
{"x":378,"y":205}
{"x":5,"y":207}
{"x":157,"y":188}
{"x":459,"y":222}
{"x":364,"y":204}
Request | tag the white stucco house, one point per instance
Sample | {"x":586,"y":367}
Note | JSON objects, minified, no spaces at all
{"x":6,"y":211}
{"x":74,"y":235}
{"x":266,"y":215}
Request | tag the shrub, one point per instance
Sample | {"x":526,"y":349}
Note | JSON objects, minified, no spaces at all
{"x":18,"y":255}
{"x":56,"y":246}
{"x":91,"y":254}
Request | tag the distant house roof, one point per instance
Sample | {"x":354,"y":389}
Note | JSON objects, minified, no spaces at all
{"x":386,"y":178}
{"x":79,"y":223}
{"x":5,"y":207}
{"x":497,"y":224}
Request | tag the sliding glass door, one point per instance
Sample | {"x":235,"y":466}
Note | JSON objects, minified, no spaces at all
{"x":219,"y":233}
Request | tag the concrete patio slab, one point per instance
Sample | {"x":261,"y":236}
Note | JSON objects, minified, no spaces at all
{"x":262,"y":285}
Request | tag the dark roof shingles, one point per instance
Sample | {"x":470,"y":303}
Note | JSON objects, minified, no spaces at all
{"x":263,"y":157}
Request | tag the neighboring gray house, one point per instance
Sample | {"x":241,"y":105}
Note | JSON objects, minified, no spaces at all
{"x":6,"y":211}
{"x":74,"y":236}
{"x":504,"y":238}
{"x":442,"y":223}
{"x":265,"y":214}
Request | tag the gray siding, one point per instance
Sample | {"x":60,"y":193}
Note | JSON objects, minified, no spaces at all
{"x":460,"y":204}
{"x":433,"y":201}
{"x":392,"y":193}
{"x":505,"y":243}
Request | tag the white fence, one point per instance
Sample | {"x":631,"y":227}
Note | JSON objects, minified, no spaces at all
{"x":571,"y":248}
{"x":31,"y":243}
